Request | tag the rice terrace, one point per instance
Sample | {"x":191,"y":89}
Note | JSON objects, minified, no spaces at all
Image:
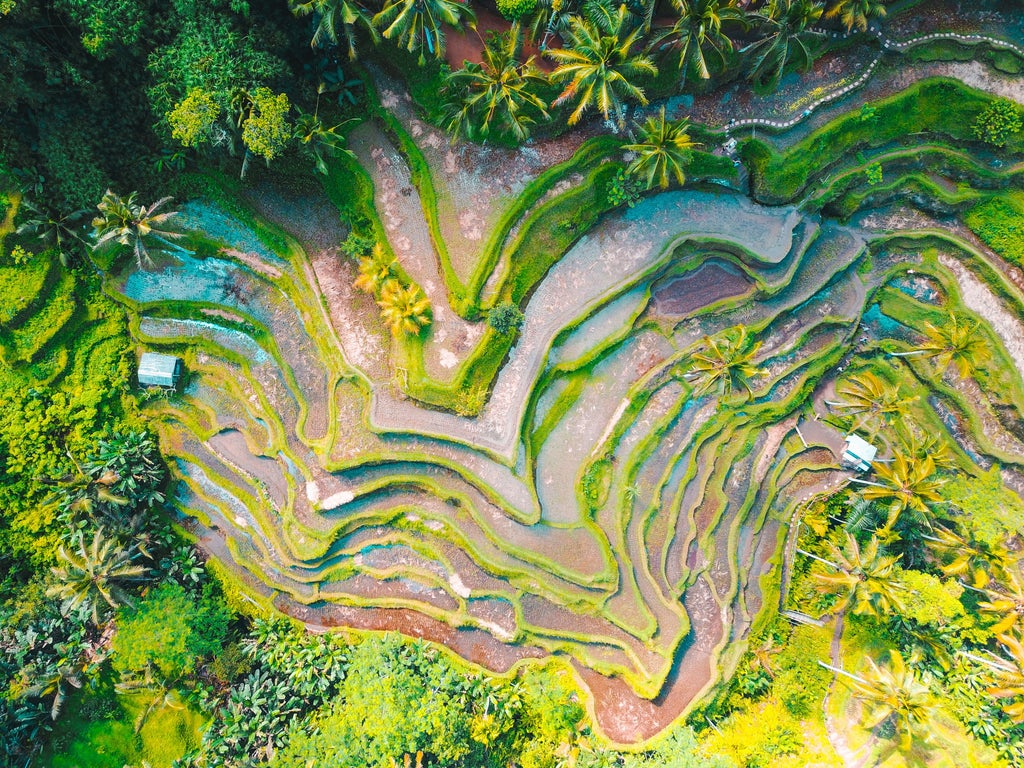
{"x":703,"y":415}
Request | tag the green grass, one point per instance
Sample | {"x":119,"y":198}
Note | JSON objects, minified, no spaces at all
{"x":999,"y":221}
{"x":20,"y":286}
{"x":98,"y":731}
{"x":41,"y":327}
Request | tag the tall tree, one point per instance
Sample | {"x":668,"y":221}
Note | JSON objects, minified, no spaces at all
{"x":375,"y":269}
{"x":63,"y":231}
{"x":697,"y":35}
{"x":724,"y":364}
{"x":956,"y":341}
{"x":122,"y":221}
{"x":99,"y":573}
{"x":1006,"y":605}
{"x":418,"y":24}
{"x":404,"y":308}
{"x":319,"y":141}
{"x":896,"y":694}
{"x":857,"y":13}
{"x":663,"y":149}
{"x":906,"y":484}
{"x":789,"y":38}
{"x":498,"y":95}
{"x":598,"y":66}
{"x":870,"y":401}
{"x":865,"y":579}
{"x":1010,"y":677}
{"x":967,"y":555}
{"x":332,"y":15}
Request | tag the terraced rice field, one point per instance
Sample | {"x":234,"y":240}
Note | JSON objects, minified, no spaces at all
{"x":593,"y":507}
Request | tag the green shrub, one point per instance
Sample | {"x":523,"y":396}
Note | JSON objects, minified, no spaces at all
{"x":1000,"y":223}
{"x":622,"y":188}
{"x":513,"y":10}
{"x":998,"y":122}
{"x":506,"y":318}
{"x":169,"y":632}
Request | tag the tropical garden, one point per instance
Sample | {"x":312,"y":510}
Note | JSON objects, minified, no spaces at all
{"x":523,"y":344}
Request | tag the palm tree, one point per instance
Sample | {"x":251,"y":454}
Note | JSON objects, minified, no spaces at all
{"x":53,"y":682}
{"x":1010,"y":675}
{"x":496,"y":94}
{"x":330,"y":14}
{"x":981,"y":561}
{"x":417,"y":24}
{"x":405,"y":309}
{"x":598,"y":68}
{"x":158,"y":692}
{"x":956,"y":341}
{"x":697,"y":33}
{"x":871,"y":401}
{"x":897,"y":695}
{"x":724,"y":364}
{"x":64,"y":232}
{"x":1006,"y":605}
{"x":663,"y":151}
{"x":906,"y":484}
{"x":100,"y":572}
{"x":375,"y":270}
{"x":857,"y":13}
{"x":790,"y":38}
{"x":864,"y":579}
{"x":124,"y":222}
{"x":320,"y":141}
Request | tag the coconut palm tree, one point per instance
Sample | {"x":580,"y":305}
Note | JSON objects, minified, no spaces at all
{"x":857,"y":13}
{"x":957,"y":341}
{"x":122,"y":221}
{"x":64,"y":232}
{"x":968,"y":556}
{"x":404,"y":308}
{"x":375,"y":270}
{"x":1010,"y":677}
{"x":99,"y":572}
{"x":790,"y":38}
{"x":870,"y":401}
{"x":865,"y":579}
{"x":54,"y":681}
{"x":697,"y":35}
{"x":418,"y":24}
{"x":724,"y":364}
{"x":320,"y":141}
{"x":895,"y":694}
{"x":598,"y":66}
{"x":496,"y":95}
{"x":905,"y":484}
{"x":332,"y":14}
{"x":1006,"y":605}
{"x":663,"y":149}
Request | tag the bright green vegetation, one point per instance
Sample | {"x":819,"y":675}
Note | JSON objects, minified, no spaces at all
{"x":999,"y":221}
{"x":573,"y":409}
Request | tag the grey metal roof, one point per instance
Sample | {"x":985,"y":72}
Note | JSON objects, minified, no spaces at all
{"x":162,"y":370}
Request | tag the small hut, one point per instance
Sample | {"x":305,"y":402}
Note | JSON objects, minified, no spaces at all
{"x":159,"y":370}
{"x":859,"y":453}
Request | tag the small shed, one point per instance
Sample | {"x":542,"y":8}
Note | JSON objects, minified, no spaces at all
{"x":859,"y":453}
{"x":157,"y":370}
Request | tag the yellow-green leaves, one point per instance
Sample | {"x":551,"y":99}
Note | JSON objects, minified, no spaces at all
{"x":267,"y":131}
{"x":193,"y":118}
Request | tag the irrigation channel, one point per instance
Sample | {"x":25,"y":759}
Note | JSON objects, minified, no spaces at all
{"x":591,"y":507}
